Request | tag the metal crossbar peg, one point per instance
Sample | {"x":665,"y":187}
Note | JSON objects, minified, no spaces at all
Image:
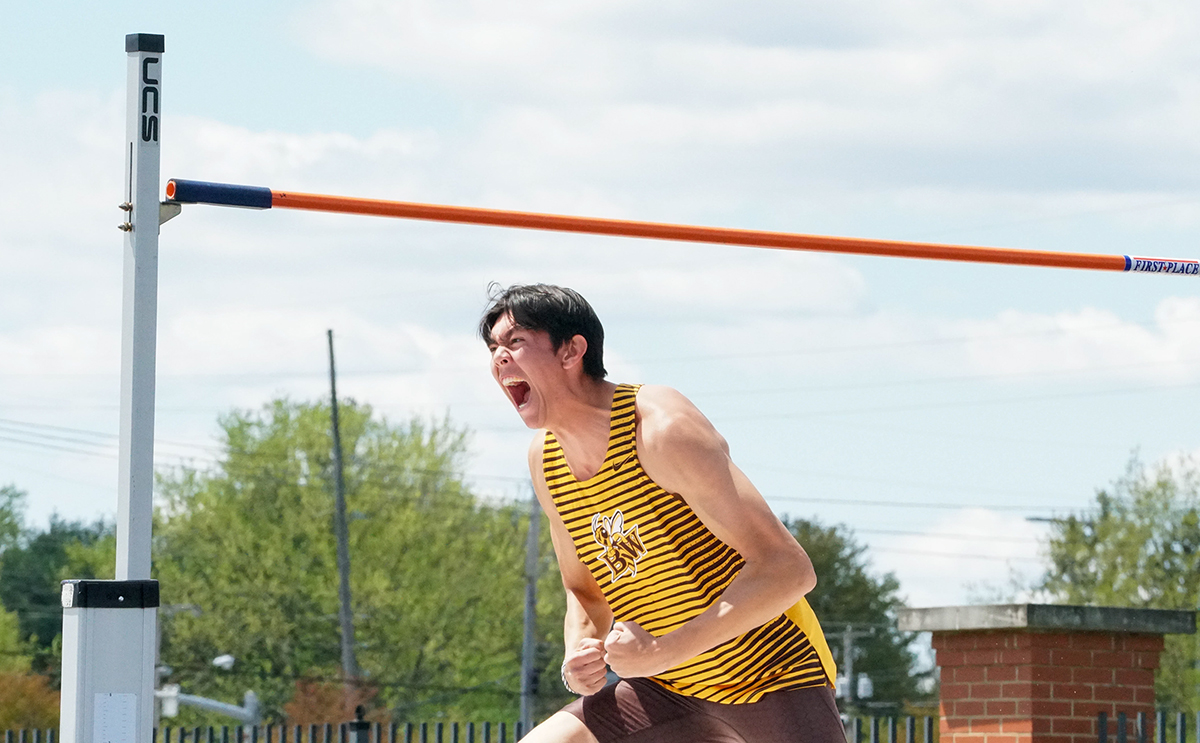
{"x":168,"y":210}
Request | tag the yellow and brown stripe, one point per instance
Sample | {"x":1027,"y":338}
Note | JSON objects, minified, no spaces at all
{"x":659,"y":566}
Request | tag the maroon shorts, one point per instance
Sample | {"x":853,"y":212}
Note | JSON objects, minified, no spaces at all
{"x":636,"y":710}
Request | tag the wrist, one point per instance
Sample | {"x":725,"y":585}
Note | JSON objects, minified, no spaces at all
{"x":670,"y":650}
{"x":562,"y":671}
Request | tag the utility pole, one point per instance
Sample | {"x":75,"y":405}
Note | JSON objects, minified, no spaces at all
{"x":529,"y":643}
{"x":350,"y":670}
{"x":848,"y":638}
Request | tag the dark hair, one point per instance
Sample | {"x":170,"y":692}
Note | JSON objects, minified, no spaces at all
{"x":559,"y":311}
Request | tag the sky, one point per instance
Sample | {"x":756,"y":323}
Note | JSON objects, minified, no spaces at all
{"x":932,"y":408}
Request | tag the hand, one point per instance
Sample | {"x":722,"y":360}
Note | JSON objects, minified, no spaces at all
{"x":584,"y":669}
{"x":633,"y":652}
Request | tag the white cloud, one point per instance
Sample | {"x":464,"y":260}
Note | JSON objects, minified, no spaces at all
{"x":388,"y":159}
{"x":958,"y":552}
{"x":1090,"y":339}
{"x":923,"y":92}
{"x":60,"y":349}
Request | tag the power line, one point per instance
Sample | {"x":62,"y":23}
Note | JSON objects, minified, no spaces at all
{"x":934,"y":380}
{"x":917,"y":342}
{"x":178,"y":460}
{"x":949,"y":535}
{"x":955,"y":555}
{"x":174,"y":460}
{"x":957,"y":404}
{"x":903,"y":504}
{"x":890,"y":482}
{"x":215,"y":450}
{"x":18,"y":424}
{"x":54,"y":476}
{"x":71,"y":450}
{"x":947,"y":340}
{"x":841,"y":501}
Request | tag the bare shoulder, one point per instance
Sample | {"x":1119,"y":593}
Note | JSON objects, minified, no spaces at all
{"x":667,"y":418}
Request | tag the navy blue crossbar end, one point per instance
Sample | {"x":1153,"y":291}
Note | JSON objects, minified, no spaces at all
{"x":220,"y":194}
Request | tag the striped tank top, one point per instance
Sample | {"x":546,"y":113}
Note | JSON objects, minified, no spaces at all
{"x":659,"y":566}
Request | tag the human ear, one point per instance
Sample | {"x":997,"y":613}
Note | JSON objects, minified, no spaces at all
{"x":573,"y":351}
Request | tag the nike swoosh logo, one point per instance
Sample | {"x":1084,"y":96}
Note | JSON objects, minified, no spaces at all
{"x":618,"y":464}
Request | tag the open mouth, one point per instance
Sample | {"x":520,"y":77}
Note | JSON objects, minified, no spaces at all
{"x":518,"y":390}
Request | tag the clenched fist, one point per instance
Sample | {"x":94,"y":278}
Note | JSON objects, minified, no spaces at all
{"x":584,"y":669}
{"x":633,"y":652}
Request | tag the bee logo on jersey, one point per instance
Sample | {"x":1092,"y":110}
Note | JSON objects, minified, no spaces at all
{"x":622,"y":547}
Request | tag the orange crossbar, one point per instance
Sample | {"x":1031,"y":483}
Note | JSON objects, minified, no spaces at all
{"x":688,"y":233}
{"x":257,"y":197}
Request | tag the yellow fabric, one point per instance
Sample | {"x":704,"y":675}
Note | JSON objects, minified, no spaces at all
{"x":806,"y":619}
{"x":659,"y":566}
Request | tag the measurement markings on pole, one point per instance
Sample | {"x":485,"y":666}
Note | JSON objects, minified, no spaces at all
{"x":114,"y":718}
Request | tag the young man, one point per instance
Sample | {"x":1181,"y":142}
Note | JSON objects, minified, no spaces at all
{"x":679,"y":577}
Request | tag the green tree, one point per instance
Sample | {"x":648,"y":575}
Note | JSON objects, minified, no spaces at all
{"x":1139,"y":547}
{"x":27,"y":700}
{"x":847,"y":593}
{"x":32,"y":564}
{"x":14,"y":658}
{"x":436,"y":579}
{"x":12,"y":513}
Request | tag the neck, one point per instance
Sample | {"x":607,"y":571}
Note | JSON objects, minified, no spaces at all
{"x":581,"y":415}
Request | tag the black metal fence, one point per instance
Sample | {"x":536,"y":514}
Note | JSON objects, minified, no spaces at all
{"x":1123,"y":728}
{"x":423,"y":732}
{"x":1168,"y":728}
{"x":890,"y":730}
{"x":410,"y":732}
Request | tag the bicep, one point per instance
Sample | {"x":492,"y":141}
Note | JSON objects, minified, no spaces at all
{"x":686,"y":455}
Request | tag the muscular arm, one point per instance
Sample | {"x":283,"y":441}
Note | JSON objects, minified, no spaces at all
{"x":588,"y":616}
{"x":682,"y":452}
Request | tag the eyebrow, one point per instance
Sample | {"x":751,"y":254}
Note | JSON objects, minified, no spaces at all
{"x":495,"y":340}
{"x":513,"y":329}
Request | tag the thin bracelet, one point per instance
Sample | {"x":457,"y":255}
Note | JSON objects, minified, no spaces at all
{"x":562,"y":671}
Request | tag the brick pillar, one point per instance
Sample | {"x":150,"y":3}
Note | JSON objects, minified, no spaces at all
{"x":1004,"y":686}
{"x":1033,"y":673}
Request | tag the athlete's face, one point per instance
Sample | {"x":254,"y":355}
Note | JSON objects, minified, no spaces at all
{"x":526,"y":365}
